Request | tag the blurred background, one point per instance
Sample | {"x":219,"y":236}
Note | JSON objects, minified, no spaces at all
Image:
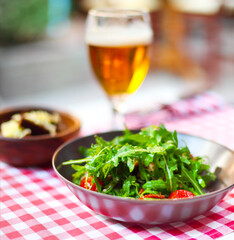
{"x":44,"y":60}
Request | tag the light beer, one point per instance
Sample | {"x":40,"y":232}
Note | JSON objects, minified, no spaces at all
{"x":120,"y":61}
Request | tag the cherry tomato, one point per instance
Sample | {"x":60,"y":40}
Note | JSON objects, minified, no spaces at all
{"x":153,"y":196}
{"x":179,"y":194}
{"x":88,"y":183}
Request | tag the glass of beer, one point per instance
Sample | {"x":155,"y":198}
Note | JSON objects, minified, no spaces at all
{"x":118,"y":42}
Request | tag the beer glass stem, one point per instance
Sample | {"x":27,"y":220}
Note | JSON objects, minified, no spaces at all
{"x":118,"y":109}
{"x":118,"y":120}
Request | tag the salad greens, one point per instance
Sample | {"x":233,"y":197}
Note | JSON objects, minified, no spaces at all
{"x":136,"y":164}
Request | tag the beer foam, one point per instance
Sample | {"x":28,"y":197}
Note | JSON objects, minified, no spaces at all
{"x":117,"y":36}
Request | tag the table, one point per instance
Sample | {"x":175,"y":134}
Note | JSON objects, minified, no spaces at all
{"x":35,"y":204}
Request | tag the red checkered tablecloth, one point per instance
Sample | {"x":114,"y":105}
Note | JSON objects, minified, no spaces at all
{"x":35,"y":204}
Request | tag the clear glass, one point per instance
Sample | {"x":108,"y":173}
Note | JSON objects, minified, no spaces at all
{"x":118,"y":42}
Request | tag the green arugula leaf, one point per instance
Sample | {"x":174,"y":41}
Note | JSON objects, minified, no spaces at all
{"x":155,"y":185}
{"x":131,"y":163}
{"x":130,"y":187}
{"x":190,"y":177}
{"x":80,"y":171}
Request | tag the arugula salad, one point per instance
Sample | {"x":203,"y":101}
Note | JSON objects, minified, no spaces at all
{"x":144,"y":165}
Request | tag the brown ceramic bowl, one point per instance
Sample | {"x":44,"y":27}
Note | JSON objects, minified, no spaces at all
{"x":151,"y":211}
{"x":35,"y":150}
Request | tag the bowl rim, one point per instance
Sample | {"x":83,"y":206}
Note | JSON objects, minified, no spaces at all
{"x":160,"y":201}
{"x":71,"y":129}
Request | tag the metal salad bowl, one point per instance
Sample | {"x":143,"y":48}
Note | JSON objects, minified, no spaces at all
{"x":221,"y":161}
